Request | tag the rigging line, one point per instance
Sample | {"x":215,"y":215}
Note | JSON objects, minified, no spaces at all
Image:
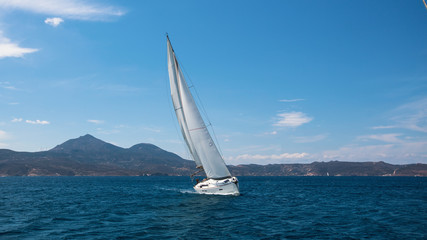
{"x":201,"y":105}
{"x":199,"y":102}
{"x":194,"y":174}
{"x":217,"y":143}
{"x":425,"y":4}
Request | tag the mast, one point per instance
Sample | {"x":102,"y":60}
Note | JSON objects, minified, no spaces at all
{"x":193,"y":128}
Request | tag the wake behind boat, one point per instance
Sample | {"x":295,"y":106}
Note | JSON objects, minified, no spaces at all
{"x":196,"y":135}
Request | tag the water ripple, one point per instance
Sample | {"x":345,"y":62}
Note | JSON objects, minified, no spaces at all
{"x":168,"y":208}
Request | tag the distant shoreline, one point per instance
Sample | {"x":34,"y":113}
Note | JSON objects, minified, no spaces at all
{"x":89,"y":156}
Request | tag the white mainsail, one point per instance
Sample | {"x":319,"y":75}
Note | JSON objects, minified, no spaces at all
{"x":196,"y":135}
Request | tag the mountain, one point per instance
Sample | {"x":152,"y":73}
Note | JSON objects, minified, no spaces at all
{"x":89,"y":156}
{"x":332,"y":168}
{"x":85,"y":144}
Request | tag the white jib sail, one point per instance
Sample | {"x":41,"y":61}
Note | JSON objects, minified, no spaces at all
{"x":196,"y":135}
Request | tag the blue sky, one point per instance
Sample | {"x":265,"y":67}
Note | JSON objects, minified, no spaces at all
{"x":282,"y":81}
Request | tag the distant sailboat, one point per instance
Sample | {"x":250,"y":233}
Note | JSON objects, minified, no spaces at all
{"x":199,"y":142}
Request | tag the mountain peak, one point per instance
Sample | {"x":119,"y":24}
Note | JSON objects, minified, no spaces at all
{"x":144,"y":146}
{"x":88,"y":136}
{"x":86,"y":143}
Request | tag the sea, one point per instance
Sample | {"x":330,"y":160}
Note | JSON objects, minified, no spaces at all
{"x":168,"y":208}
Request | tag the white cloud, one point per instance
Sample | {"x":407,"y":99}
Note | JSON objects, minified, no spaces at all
{"x":266,"y":159}
{"x":6,"y":85}
{"x":10,"y":87}
{"x":17,"y":120}
{"x":390,"y":138}
{"x":107,"y":132}
{"x":43,"y":122}
{"x":292,"y":119}
{"x":273,"y":156}
{"x":156,"y":130}
{"x":253,"y":149}
{"x":117,"y":88}
{"x":3,"y":134}
{"x":95,"y":121}
{"x":73,"y":9}
{"x":412,"y":115}
{"x":9,"y":49}
{"x":291,"y":100}
{"x":310,"y":139}
{"x":383,"y":127}
{"x":398,"y":153}
{"x":53,"y":21}
{"x":271,"y":133}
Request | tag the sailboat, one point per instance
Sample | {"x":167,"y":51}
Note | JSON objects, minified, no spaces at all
{"x":196,"y":135}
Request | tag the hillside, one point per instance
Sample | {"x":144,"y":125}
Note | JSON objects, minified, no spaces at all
{"x":333,"y":168}
{"x":89,"y":156}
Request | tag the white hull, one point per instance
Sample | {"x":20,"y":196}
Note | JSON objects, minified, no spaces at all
{"x":228,"y":186}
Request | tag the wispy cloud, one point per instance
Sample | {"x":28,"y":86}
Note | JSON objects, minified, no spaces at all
{"x":271,"y":133}
{"x":16,"y":120}
{"x":292,"y":119}
{"x":389,"y":138}
{"x":402,"y":152}
{"x":10,"y":87}
{"x":412,"y":115}
{"x":272,"y":157}
{"x":256,"y":149}
{"x":53,"y":21}
{"x":291,"y":100}
{"x":117,"y":88}
{"x":73,"y":9}
{"x":310,"y":139}
{"x":40,"y":122}
{"x":3,"y":135}
{"x":95,"y":121}
{"x":266,"y":159}
{"x":10,"y":49}
{"x":384,"y":127}
{"x":6,"y":85}
{"x":107,"y":132}
{"x":156,"y":130}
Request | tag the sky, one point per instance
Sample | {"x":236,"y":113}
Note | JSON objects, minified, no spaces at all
{"x":282,"y":81}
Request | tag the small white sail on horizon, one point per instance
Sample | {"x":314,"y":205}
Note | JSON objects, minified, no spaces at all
{"x":195,"y":133}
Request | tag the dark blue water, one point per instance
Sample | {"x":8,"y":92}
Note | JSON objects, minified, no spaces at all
{"x":166,"y":208}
